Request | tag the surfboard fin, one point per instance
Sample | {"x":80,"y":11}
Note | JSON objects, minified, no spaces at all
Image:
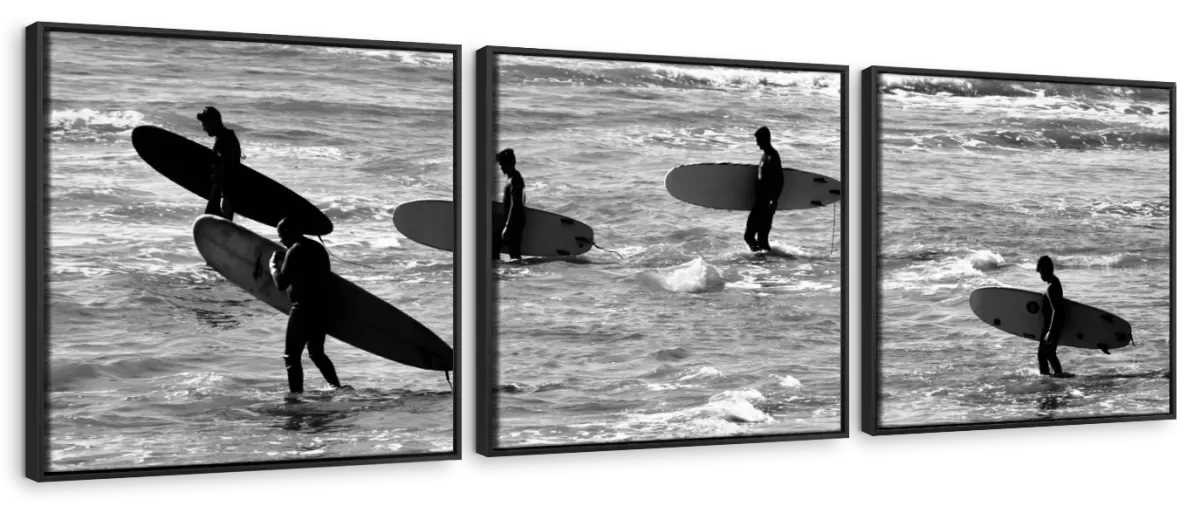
{"x":1104,"y":349}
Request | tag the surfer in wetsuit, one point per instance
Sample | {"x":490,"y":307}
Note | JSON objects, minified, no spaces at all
{"x":1048,"y":345}
{"x":766,"y":194}
{"x":228,"y":159}
{"x":514,"y":207}
{"x":303,"y":270}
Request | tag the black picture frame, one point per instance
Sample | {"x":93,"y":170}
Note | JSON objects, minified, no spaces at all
{"x":869,"y":261}
{"x":487,"y":356}
{"x":36,"y":217}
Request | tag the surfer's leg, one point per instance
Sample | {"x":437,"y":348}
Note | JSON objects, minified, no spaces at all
{"x":497,"y":243}
{"x":227,"y":208}
{"x":764,"y":228}
{"x":515,"y":235}
{"x":752,"y":227}
{"x":214,"y":201}
{"x":1052,"y":355}
{"x":1043,"y":361}
{"x":293,"y":346}
{"x":315,"y":329}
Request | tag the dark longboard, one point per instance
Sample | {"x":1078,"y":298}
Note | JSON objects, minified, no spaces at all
{"x":731,"y":186}
{"x":431,"y":222}
{"x":358,"y":318}
{"x":1024,"y":313}
{"x":253,"y":195}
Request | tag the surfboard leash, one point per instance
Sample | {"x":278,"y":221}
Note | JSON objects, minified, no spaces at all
{"x":597,"y":246}
{"x":449,"y":382}
{"x":334,"y":255}
{"x":832,"y":229}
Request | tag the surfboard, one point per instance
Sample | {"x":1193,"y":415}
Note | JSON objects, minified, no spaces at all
{"x":731,"y":186}
{"x":1026,"y":314}
{"x":358,"y":318}
{"x":546,"y":234}
{"x":254,"y":196}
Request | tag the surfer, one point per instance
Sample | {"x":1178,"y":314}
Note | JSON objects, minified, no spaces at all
{"x":303,"y":270}
{"x":514,"y":207}
{"x":229,"y":156}
{"x":1048,"y":345}
{"x":766,"y":194}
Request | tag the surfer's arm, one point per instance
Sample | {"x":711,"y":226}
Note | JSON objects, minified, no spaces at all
{"x":517,"y":201}
{"x":281,"y":273}
{"x":1056,"y":307}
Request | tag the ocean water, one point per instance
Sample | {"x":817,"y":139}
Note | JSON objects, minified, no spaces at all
{"x":686,"y":334}
{"x":154,"y":359}
{"x":979,"y":179}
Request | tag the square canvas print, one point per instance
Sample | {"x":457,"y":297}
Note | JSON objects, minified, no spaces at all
{"x":666,"y":251}
{"x":218,"y":277}
{"x":1021,"y":252}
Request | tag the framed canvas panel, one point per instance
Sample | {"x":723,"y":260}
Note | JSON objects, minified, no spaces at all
{"x":627,"y":298}
{"x":1018,"y":250}
{"x":223,"y":269}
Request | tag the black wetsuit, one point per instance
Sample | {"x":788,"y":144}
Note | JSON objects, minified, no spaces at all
{"x":514,"y":218}
{"x":1048,"y":346}
{"x":767,"y":191}
{"x":224,"y":171}
{"x":306,"y":276}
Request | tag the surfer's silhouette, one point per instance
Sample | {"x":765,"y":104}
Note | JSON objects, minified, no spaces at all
{"x":1048,"y":345}
{"x":303,"y":270}
{"x":228,"y":159}
{"x":766,"y":194}
{"x":514,"y":208}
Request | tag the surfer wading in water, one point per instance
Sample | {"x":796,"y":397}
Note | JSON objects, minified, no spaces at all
{"x":1048,"y":346}
{"x":228,"y":159}
{"x":303,"y":270}
{"x":514,"y":207}
{"x":766,"y":194}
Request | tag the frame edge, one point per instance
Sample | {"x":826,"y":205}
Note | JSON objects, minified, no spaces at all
{"x":35,"y":325}
{"x":869,"y":233}
{"x":1177,"y":227}
{"x":485,"y":313}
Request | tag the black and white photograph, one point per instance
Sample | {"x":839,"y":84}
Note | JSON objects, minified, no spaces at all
{"x":223,"y":276}
{"x":1023,"y":250}
{"x":666,"y":243}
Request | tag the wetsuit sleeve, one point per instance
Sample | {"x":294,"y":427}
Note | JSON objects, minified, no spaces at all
{"x":291,"y":265}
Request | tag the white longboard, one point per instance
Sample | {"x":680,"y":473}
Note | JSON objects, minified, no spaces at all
{"x":731,"y":186}
{"x":432,"y":223}
{"x":356,"y":317}
{"x":1026,"y":314}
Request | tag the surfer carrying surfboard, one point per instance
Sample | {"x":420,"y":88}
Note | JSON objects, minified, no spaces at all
{"x":514,"y":207}
{"x":303,"y":270}
{"x":1048,"y":345}
{"x":767,"y":191}
{"x":229,"y":158}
